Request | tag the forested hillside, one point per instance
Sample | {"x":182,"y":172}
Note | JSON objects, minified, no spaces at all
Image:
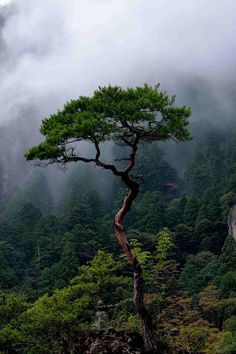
{"x":117,"y":198}
{"x":60,"y":264}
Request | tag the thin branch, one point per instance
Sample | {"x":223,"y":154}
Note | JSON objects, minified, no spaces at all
{"x":127,"y":142}
{"x":112,"y":168}
{"x":96,"y":144}
{"x":132,"y":128}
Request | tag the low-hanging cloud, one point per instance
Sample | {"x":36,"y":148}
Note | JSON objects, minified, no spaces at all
{"x":57,"y":50}
{"x":52,"y":51}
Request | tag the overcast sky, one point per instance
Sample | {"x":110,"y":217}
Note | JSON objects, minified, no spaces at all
{"x":52,"y":51}
{"x":4,"y":2}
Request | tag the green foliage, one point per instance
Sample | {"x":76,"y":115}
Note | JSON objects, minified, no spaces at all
{"x":149,"y":213}
{"x":8,"y":270}
{"x":50,"y":324}
{"x":191,"y":211}
{"x":210,"y":206}
{"x":198,"y":271}
{"x":227,"y":201}
{"x":28,"y":216}
{"x":103,"y":270}
{"x":228,"y":284}
{"x":206,"y":169}
{"x":229,"y":344}
{"x":184,"y":241}
{"x":210,"y":236}
{"x":230,"y":324}
{"x":60,"y":273}
{"x":228,"y":256}
{"x":211,"y":305}
{"x":175,"y":212}
{"x":81,"y":203}
{"x":11,"y":305}
{"x":102,"y":116}
{"x":164,"y":245}
{"x":143,"y":256}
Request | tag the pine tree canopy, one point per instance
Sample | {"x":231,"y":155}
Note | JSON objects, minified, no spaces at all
{"x":125,"y":116}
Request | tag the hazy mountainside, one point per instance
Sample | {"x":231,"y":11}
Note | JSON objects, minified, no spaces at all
{"x":65,"y":285}
{"x":58,"y":257}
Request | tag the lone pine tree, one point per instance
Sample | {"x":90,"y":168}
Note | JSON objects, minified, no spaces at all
{"x":127,"y":117}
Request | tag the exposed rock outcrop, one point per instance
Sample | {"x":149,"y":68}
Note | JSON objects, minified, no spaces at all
{"x":109,"y":342}
{"x":232,"y":222}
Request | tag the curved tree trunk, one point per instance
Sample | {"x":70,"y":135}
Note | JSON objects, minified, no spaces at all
{"x":149,"y":337}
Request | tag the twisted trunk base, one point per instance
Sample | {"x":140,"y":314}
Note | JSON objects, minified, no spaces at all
{"x":149,"y":337}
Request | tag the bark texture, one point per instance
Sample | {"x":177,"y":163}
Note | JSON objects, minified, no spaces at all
{"x":149,"y":336}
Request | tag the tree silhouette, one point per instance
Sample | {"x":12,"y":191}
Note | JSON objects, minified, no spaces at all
{"x":127,"y":117}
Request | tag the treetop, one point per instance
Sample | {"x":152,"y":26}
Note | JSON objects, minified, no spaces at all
{"x":126,"y":116}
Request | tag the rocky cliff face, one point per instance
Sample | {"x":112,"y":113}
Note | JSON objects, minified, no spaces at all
{"x":232,"y":222}
{"x":109,"y":342}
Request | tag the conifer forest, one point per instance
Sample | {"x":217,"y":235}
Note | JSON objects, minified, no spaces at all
{"x":117,"y":192}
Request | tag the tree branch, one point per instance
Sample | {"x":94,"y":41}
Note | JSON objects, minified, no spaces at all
{"x":96,"y":144}
{"x":132,"y":155}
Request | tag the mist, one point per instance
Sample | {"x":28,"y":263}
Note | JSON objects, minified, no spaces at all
{"x":54,"y":51}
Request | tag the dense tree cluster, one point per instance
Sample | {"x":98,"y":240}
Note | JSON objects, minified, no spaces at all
{"x":58,"y":257}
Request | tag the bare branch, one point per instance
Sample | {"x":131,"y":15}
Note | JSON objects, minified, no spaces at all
{"x":112,"y":168}
{"x":75,"y":159}
{"x":96,"y":144}
{"x":127,"y":142}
